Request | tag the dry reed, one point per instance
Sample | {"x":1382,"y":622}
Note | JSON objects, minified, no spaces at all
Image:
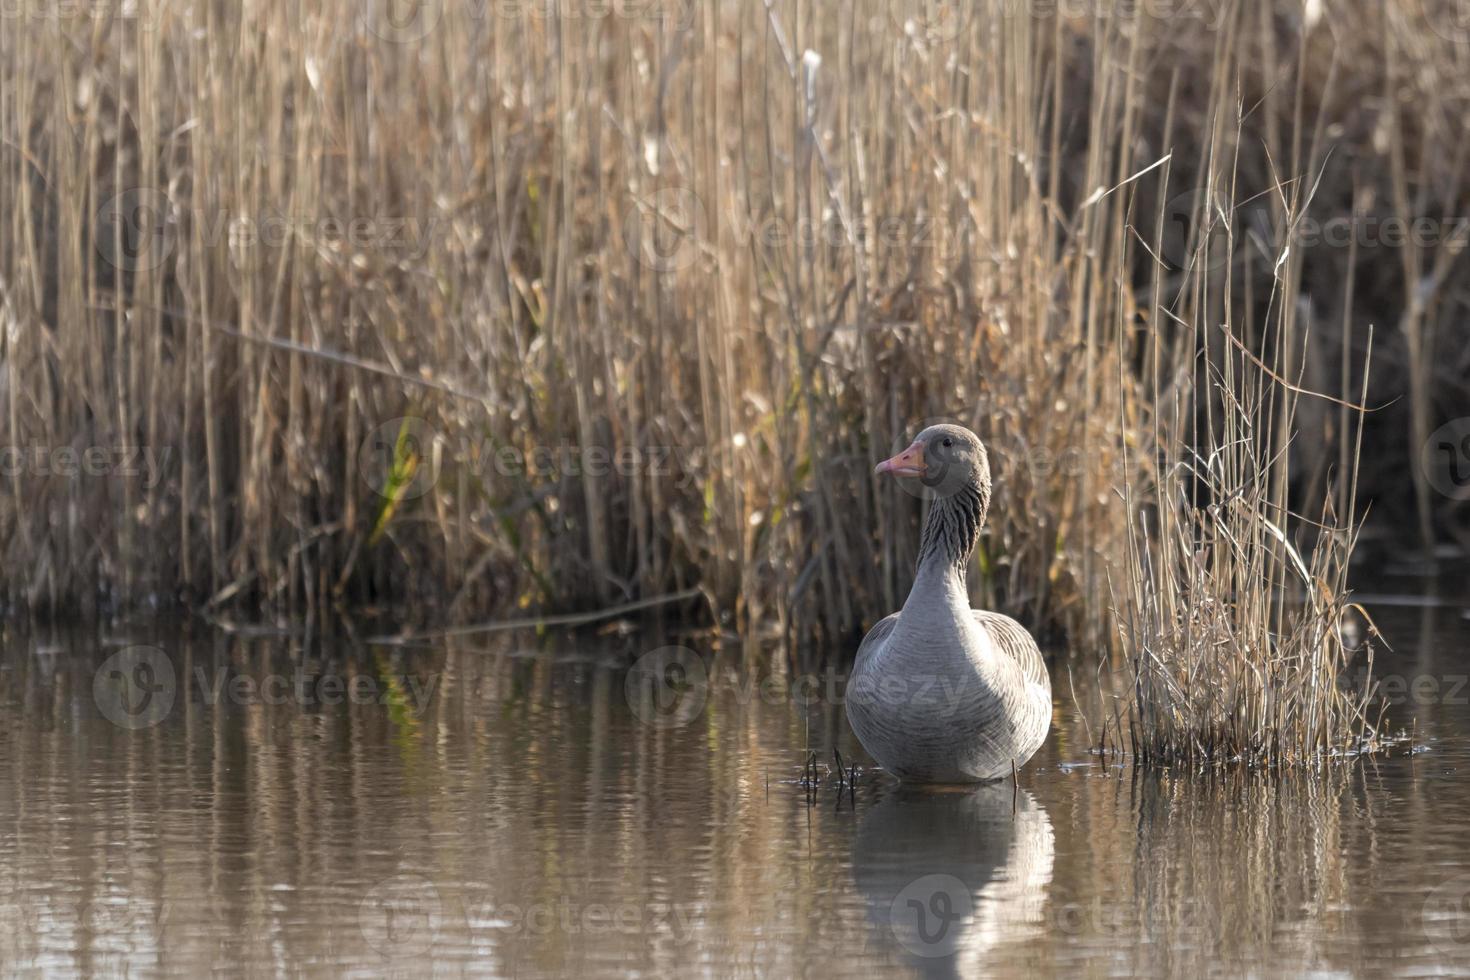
{"x":655,"y":285}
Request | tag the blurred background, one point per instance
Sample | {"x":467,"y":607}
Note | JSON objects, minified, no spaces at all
{"x":461,"y":309}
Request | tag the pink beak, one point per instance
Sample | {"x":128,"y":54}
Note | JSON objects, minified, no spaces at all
{"x":910,"y":462}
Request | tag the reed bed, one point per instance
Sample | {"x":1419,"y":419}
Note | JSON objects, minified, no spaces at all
{"x":548,"y":308}
{"x":1235,"y":612}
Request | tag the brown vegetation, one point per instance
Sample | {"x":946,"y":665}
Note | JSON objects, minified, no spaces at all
{"x":656,"y":284}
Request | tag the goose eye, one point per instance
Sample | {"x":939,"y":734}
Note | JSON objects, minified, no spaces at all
{"x":948,"y":442}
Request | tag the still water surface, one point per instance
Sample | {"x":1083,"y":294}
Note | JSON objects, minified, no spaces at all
{"x":512,"y":811}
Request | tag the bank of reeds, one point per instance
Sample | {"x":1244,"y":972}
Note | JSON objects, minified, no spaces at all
{"x":1240,"y":636}
{"x":656,"y":284}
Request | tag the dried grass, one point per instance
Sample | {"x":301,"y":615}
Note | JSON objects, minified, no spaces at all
{"x":746,"y":247}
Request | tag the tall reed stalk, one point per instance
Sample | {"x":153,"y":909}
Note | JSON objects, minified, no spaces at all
{"x":561,"y":307}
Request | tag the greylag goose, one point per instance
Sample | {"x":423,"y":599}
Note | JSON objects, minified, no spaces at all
{"x":940,"y":692}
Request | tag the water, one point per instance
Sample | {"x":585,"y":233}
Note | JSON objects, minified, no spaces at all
{"x":518,"y":814}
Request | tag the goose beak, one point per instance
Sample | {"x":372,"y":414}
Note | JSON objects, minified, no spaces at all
{"x":910,"y":462}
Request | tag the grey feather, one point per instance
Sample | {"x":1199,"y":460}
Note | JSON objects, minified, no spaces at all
{"x":941,"y":692}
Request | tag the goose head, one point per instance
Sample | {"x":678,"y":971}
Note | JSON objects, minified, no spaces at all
{"x":951,"y":463}
{"x":945,"y":459}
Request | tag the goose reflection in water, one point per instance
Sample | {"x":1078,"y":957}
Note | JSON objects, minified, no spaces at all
{"x":949,"y":875}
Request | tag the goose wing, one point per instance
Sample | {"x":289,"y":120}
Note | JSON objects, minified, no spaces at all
{"x":875,"y":639}
{"x":1013,"y":640}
